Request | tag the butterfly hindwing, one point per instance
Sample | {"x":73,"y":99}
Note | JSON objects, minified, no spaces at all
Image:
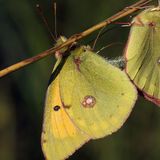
{"x":87,"y":75}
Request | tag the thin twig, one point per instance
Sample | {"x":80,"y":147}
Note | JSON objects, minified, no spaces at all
{"x":126,"y":11}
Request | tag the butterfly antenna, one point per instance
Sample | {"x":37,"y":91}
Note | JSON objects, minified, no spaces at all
{"x":98,"y":35}
{"x":54,"y":9}
{"x":109,"y":45}
{"x":44,"y":19}
{"x":102,"y":34}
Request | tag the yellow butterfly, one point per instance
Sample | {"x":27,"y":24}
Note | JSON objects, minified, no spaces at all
{"x":142,"y":53}
{"x":87,"y":98}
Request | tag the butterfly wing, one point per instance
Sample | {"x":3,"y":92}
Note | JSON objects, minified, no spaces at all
{"x":142,"y":54}
{"x":60,"y":136}
{"x":96,"y":95}
{"x":88,"y":99}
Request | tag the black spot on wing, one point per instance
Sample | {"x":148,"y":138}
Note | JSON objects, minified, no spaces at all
{"x":56,"y":108}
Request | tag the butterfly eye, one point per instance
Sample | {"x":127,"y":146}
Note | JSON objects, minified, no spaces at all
{"x":84,"y":50}
{"x":56,"y":108}
{"x":89,"y":101}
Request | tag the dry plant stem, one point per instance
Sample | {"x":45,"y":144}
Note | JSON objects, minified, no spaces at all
{"x":126,"y":11}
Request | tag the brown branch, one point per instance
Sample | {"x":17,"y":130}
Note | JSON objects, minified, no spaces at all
{"x":126,"y":11}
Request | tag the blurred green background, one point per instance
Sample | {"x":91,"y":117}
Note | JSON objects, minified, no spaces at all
{"x":22,"y":93}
